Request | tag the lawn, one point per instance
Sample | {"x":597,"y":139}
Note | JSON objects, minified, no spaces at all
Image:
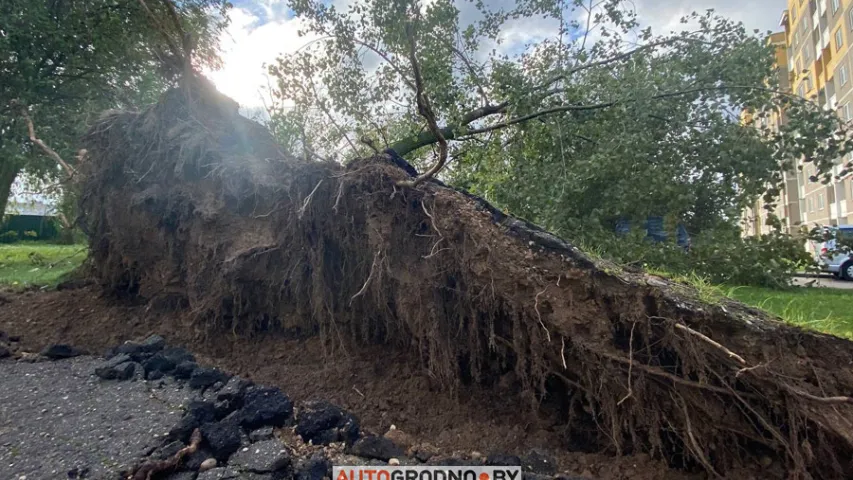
{"x":824,"y":309}
{"x":29,"y":263}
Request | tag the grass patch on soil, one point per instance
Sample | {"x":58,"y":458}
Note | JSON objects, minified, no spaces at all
{"x":38,"y":264}
{"x":824,"y":309}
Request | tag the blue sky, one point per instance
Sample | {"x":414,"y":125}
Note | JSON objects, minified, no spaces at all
{"x":265,"y":11}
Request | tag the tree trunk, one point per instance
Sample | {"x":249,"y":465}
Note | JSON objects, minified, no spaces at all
{"x":212,"y":216}
{"x":406,"y":145}
{"x":8,"y":173}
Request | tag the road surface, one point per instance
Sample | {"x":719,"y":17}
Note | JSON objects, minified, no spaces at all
{"x":824,"y":281}
{"x":57,"y":419}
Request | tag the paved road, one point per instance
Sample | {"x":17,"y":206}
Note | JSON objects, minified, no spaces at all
{"x":827,"y":281}
{"x":57,"y":416}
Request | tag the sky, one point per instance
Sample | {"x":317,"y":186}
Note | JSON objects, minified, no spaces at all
{"x":261,"y":30}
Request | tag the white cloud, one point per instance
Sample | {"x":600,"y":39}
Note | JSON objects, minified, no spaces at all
{"x":260,"y":31}
{"x":247,"y":46}
{"x":664,"y":17}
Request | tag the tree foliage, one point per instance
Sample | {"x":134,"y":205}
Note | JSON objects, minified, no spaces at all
{"x":594,"y":120}
{"x":62,"y":61}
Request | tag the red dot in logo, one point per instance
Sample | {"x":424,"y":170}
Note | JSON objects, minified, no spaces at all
{"x":484,"y":476}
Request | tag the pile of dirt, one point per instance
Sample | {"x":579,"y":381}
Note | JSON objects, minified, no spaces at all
{"x":189,"y":205}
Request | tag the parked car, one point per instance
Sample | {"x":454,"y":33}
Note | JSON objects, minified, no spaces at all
{"x":834,"y":257}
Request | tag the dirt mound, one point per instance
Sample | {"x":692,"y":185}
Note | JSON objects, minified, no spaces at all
{"x":188,"y":204}
{"x":381,"y":390}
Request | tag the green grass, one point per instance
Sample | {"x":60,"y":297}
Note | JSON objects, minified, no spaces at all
{"x":826,"y":310}
{"x":823,"y":309}
{"x":30,"y":264}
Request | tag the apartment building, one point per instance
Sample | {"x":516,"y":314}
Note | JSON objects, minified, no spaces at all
{"x":787,"y":207}
{"x":817,"y":36}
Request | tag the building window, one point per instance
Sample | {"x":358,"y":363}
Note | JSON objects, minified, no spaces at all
{"x":807,"y":55}
{"x":842,"y":74}
{"x":810,"y":204}
{"x":820,"y":204}
{"x":847,"y":113}
{"x":839,"y":40}
{"x":835,"y":5}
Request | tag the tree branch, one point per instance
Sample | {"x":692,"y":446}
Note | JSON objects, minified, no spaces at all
{"x":161,"y":28}
{"x":454,"y":132}
{"x":426,"y":111}
{"x":423,"y":139}
{"x":69,"y":170}
{"x":615,"y":58}
{"x":372,"y":48}
{"x":540,"y":113}
{"x":473,"y":72}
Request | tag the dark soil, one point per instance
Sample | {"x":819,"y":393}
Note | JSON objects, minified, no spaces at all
{"x":380,"y":387}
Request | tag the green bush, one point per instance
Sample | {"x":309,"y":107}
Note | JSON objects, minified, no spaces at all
{"x":766,"y":261}
{"x":721,"y":257}
{"x":9,"y":237}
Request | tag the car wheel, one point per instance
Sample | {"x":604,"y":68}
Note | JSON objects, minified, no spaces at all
{"x":847,"y":270}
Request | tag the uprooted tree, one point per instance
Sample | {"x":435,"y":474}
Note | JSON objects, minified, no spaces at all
{"x":187,"y":204}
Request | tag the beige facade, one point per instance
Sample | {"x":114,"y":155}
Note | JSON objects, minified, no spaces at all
{"x":787,"y":207}
{"x":819,"y":62}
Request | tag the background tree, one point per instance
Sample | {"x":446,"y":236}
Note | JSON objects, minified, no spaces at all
{"x":599,"y":120}
{"x":62,"y":61}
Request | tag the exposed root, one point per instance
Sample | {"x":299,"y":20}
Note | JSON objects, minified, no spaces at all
{"x":148,"y":470}
{"x":630,"y":365}
{"x":301,"y":212}
{"x":704,"y":337}
{"x":814,"y":398}
{"x":694,"y":445}
{"x":539,"y":315}
{"x":369,"y":278}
